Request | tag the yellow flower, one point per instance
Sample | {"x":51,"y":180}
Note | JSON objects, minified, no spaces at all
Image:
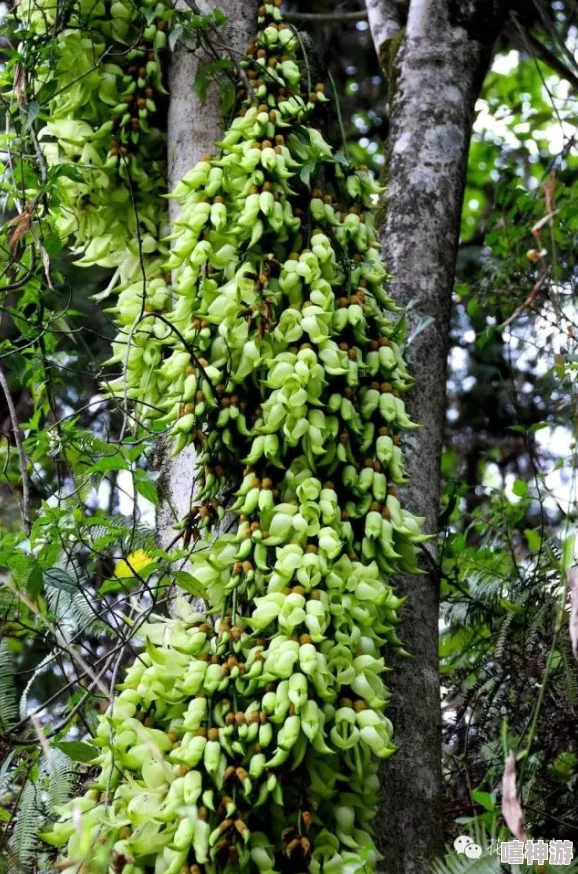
{"x":134,"y":564}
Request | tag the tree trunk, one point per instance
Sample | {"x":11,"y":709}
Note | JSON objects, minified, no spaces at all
{"x":439,"y":69}
{"x":437,"y":74}
{"x":193,"y":128}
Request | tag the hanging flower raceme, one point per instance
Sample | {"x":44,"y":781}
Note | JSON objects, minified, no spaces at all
{"x":246,"y":739}
{"x":94,"y":71}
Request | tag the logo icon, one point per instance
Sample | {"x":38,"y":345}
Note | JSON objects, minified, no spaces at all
{"x":464,"y":845}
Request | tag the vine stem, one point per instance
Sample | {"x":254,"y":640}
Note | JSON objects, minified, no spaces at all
{"x":339,"y":116}
{"x":547,"y":671}
{"x":326,"y":17}
{"x":25,"y":505}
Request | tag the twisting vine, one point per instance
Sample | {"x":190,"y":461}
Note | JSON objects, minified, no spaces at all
{"x":244,"y":738}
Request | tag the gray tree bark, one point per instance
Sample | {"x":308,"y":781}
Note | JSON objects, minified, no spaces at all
{"x":437,"y":74}
{"x":384,"y":18}
{"x":193,"y":128}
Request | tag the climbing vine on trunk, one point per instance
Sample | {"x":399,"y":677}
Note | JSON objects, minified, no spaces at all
{"x":244,"y":738}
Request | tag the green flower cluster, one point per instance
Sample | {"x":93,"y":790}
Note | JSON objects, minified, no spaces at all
{"x":95,"y":71}
{"x":226,"y":753}
{"x":246,"y":740}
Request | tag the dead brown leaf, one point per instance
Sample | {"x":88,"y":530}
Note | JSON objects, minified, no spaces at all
{"x":511,"y":807}
{"x":23,"y":224}
{"x":549,"y":190}
{"x":19,"y":87}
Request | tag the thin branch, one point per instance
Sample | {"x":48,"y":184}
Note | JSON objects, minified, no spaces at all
{"x":326,"y":17}
{"x":244,"y":78}
{"x":39,"y":157}
{"x":527,"y":41}
{"x":25,"y":505}
{"x":550,"y":27}
{"x":552,"y":60}
{"x":239,"y":69}
{"x":58,"y":727}
{"x":527,"y":303}
{"x":74,"y":655}
{"x":536,"y":232}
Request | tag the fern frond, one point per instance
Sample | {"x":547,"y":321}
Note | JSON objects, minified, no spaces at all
{"x":71,"y":607}
{"x":60,"y":772}
{"x":24,"y":839}
{"x":121,"y":532}
{"x":503,"y":636}
{"x":6,"y":772}
{"x":47,"y":660}
{"x":52,"y":786}
{"x":461,"y":864}
{"x":537,"y":626}
{"x":8,"y":696}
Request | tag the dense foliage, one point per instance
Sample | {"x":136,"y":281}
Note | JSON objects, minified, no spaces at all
{"x":508,"y":514}
{"x":243,"y":737}
{"x":85,"y":584}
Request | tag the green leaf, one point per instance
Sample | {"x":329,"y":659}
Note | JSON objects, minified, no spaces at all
{"x":53,"y":246}
{"x":534,"y":539}
{"x":70,"y":171}
{"x":34,"y":582}
{"x":202,"y":81}
{"x":205,"y":74}
{"x":31,"y":111}
{"x":484,"y":799}
{"x":59,"y":579}
{"x":146,"y":488}
{"x":226,"y":93}
{"x":110,"y":462}
{"x":188,"y":583}
{"x":504,"y":739}
{"x":568,"y":553}
{"x":342,"y":159}
{"x":133,"y":453}
{"x":77,"y":750}
{"x":487,"y":334}
{"x":520,"y":488}
{"x":111,"y":587}
{"x":473,"y":307}
{"x":199,"y":22}
{"x":175,"y":35}
{"x":219,"y":16}
{"x":306,"y":171}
